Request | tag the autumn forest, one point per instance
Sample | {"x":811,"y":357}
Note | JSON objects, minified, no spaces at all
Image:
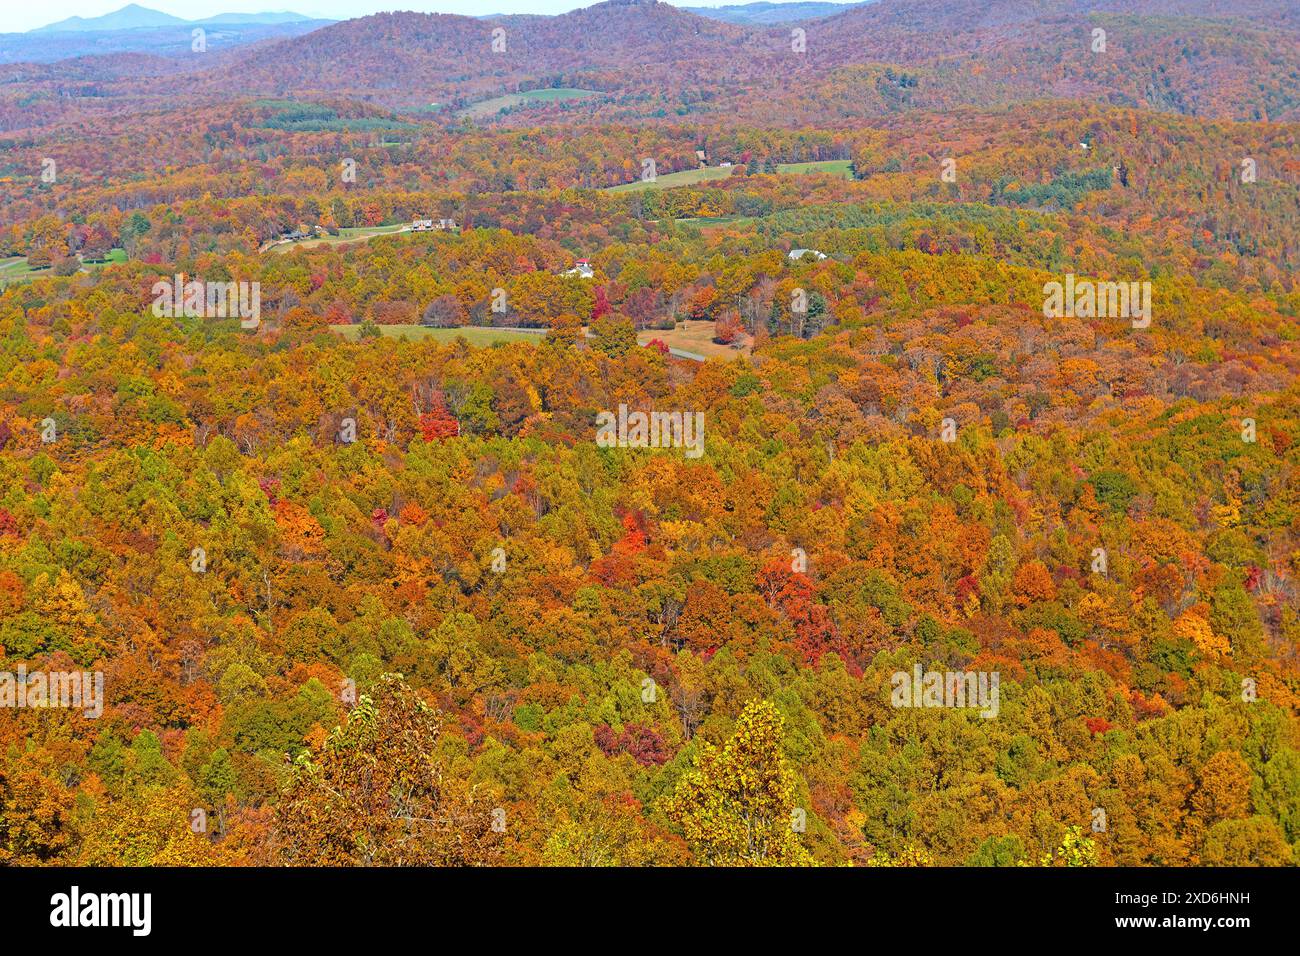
{"x":633,"y":438}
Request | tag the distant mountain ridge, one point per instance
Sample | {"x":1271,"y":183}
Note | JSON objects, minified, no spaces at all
{"x":763,"y":13}
{"x":966,"y":49}
{"x":138,"y":30}
{"x":285,"y":16}
{"x":135,"y":17}
{"x":396,"y":52}
{"x":1196,"y":57}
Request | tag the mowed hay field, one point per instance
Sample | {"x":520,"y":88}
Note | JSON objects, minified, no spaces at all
{"x":695,"y":337}
{"x":689,"y":177}
{"x":832,"y":167}
{"x":474,"y":335}
{"x":351,"y":234}
{"x":486,"y":108}
{"x":16,"y":269}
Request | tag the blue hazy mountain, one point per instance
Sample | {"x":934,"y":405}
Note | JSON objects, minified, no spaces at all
{"x":131,"y":17}
{"x":763,"y":13}
{"x":135,"y":29}
{"x":135,"y":17}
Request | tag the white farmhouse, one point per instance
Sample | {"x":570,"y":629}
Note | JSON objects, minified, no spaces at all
{"x":582,"y":269}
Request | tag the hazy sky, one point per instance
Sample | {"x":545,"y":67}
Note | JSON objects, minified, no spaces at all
{"x":20,"y":17}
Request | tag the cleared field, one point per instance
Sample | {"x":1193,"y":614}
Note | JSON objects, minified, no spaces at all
{"x":114,"y":255}
{"x":695,"y":337}
{"x":833,"y":167}
{"x":357,"y":234}
{"x":472,"y":334}
{"x":491,"y":107}
{"x":16,"y":269}
{"x":307,"y":117}
{"x":686,"y":177}
{"x":712,"y":222}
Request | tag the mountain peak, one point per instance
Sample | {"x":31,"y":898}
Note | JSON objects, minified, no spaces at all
{"x":130,"y":17}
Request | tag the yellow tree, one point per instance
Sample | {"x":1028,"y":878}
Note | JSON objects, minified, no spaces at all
{"x":736,"y":806}
{"x":379,"y":794}
{"x":156,"y":826}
